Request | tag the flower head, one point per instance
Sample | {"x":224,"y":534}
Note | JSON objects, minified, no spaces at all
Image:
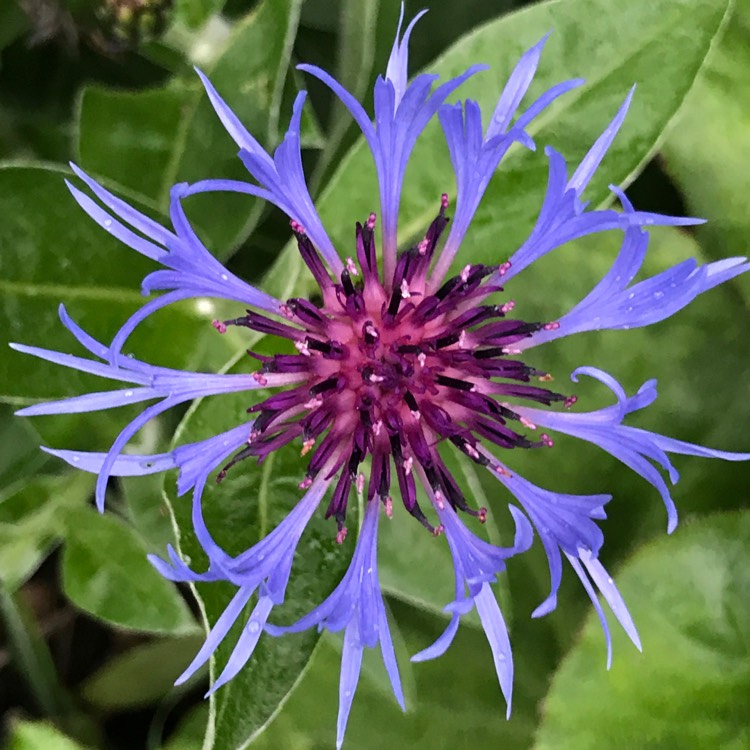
{"x":397,"y":363}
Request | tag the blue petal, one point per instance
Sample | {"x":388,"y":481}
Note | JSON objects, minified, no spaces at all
{"x":590,"y":163}
{"x":606,"y":585}
{"x":114,"y":227}
{"x":246,"y":643}
{"x":282,"y":177}
{"x":125,"y":466}
{"x":440,"y":646}
{"x":136,"y":219}
{"x":397,"y":70}
{"x":634,"y":447}
{"x":82,"y":365}
{"x":515,"y":89}
{"x":217,"y":633}
{"x":231,"y":122}
{"x":612,"y":304}
{"x":351,"y":663}
{"x":497,"y":636}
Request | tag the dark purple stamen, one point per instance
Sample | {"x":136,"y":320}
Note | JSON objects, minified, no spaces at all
{"x":393,"y":374}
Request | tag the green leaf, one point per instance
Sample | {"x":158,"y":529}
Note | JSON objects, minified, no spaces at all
{"x":708,"y":148}
{"x":32,"y":521}
{"x":38,"y":735}
{"x":173,"y":134}
{"x":689,"y":688}
{"x":245,"y":507}
{"x":105,"y":573}
{"x":130,"y":136}
{"x":142,"y":675}
{"x":21,"y":456}
{"x":13,"y":23}
{"x":147,"y":512}
{"x":660,"y":45}
{"x":190,"y":731}
{"x":31,"y":656}
{"x":194,"y":13}
{"x":355,"y":57}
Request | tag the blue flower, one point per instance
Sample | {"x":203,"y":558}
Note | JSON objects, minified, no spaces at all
{"x":393,"y":368}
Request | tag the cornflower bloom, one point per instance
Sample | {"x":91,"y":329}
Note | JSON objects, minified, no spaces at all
{"x":395,"y":363}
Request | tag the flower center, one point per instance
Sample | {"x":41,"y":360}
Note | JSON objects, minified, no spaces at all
{"x":390,"y":374}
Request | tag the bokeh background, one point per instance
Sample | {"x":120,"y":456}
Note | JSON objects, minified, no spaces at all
{"x":91,"y":638}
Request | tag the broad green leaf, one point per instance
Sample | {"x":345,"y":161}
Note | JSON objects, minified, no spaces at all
{"x":13,"y":23}
{"x":147,"y":511}
{"x":248,"y":504}
{"x":173,"y":135}
{"x":194,"y":13}
{"x":356,"y":44}
{"x":32,"y":521}
{"x":142,"y":675}
{"x":708,"y":148}
{"x":38,"y":735}
{"x":660,"y":45}
{"x":354,"y":62}
{"x":21,"y":456}
{"x":129,"y":136}
{"x":190,"y":731}
{"x":105,"y":573}
{"x":689,"y":688}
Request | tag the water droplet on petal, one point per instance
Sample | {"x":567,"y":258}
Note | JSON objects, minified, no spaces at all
{"x":253,"y":626}
{"x":224,"y":277}
{"x":108,"y":222}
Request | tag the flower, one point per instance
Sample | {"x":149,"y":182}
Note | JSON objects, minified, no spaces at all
{"x":394,"y":363}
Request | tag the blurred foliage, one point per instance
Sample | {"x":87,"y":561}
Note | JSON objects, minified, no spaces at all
{"x":92,"y":637}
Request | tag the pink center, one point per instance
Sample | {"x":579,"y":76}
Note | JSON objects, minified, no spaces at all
{"x":391,"y":373}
